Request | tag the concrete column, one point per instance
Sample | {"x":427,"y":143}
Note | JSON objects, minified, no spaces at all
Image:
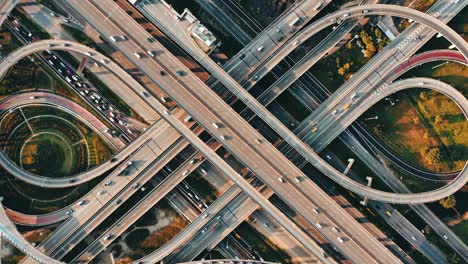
{"x":350,"y":163}
{"x":82,"y":64}
{"x":369,"y":182}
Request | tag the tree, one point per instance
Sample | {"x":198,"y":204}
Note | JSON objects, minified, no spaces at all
{"x":378,"y":130}
{"x":449,"y":203}
{"x":368,"y":53}
{"x":437,"y":119}
{"x":347,"y":66}
{"x":426,"y":136}
{"x":378,"y":33}
{"x":349,"y":45}
{"x":423,"y":95}
{"x":431,"y":155}
{"x":454,"y":258}
{"x":341,"y":71}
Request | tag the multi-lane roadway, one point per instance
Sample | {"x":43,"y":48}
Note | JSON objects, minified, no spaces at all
{"x":232,"y":134}
{"x":188,"y":81}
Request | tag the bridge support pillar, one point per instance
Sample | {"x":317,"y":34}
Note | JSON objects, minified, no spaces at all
{"x":350,"y":163}
{"x":369,"y":182}
{"x":82,"y":64}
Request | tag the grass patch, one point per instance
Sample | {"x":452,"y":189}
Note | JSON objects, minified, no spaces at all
{"x":424,"y":118}
{"x":461,"y":230}
{"x":49,"y":155}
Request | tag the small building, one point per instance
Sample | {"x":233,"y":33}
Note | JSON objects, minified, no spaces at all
{"x":202,"y":33}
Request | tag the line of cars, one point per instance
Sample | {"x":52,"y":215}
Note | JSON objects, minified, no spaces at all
{"x":79,"y":84}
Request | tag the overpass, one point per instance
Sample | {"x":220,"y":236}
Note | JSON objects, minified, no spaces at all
{"x":228,"y":261}
{"x":308,"y":153}
{"x":5,"y":8}
{"x":285,"y":133}
{"x":181,"y":95}
{"x":395,"y":87}
{"x":172,"y":119}
{"x":9,"y":232}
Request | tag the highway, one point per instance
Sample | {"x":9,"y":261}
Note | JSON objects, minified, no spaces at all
{"x":303,"y":148}
{"x":164,"y":21}
{"x":60,"y":214}
{"x":5,"y":8}
{"x":10,"y":233}
{"x":64,"y":104}
{"x":188,"y":101}
{"x":291,"y":78}
{"x":208,"y":124}
{"x":175,"y":122}
{"x":307,"y":152}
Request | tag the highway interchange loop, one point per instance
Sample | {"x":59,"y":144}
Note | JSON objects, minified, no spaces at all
{"x":327,"y":169}
{"x":318,"y":162}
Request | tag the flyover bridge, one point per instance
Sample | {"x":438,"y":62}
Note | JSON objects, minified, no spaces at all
{"x":207,"y":153}
{"x":9,"y":232}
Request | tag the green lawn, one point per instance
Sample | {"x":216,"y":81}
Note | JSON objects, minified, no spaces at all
{"x":409,"y":126}
{"x":53,"y":156}
{"x":461,"y":230}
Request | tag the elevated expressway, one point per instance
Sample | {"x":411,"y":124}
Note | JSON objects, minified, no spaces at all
{"x":286,"y":134}
{"x":193,"y":229}
{"x":308,"y":153}
{"x":456,"y":96}
{"x":173,"y":120}
{"x":9,"y":232}
{"x":425,"y":57}
{"x":312,"y":99}
{"x":149,"y":68}
{"x":5,"y":8}
{"x":64,"y":104}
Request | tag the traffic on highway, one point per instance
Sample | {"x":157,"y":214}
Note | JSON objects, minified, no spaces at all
{"x":210,"y":127}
